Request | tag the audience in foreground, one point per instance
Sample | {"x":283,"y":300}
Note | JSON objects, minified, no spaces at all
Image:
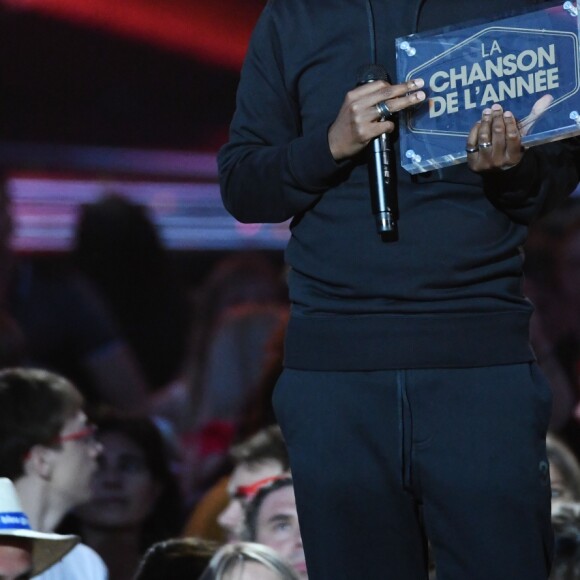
{"x":257,"y":460}
{"x":272,"y":520}
{"x":135,"y":500}
{"x":247,"y":561}
{"x":48,"y":449}
{"x":178,"y":559}
{"x":564,"y":470}
{"x":25,"y":552}
{"x":566,"y":522}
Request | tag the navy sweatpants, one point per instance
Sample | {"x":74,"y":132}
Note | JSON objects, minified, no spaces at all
{"x":381,"y":460}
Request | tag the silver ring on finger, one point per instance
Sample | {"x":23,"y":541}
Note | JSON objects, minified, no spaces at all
{"x":485,"y":145}
{"x":383,"y":110}
{"x":472,"y":149}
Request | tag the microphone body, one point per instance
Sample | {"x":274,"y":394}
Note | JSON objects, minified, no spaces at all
{"x":381,"y":166}
{"x":383,"y":181}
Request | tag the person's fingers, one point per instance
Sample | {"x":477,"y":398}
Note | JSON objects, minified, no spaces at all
{"x":498,"y":136}
{"x":514,"y":150}
{"x":410,"y":100}
{"x":484,"y":140}
{"x":394,"y":97}
{"x":382,"y":90}
{"x":379,"y":128}
{"x":472,"y":147}
{"x":494,"y":143}
{"x":402,"y":89}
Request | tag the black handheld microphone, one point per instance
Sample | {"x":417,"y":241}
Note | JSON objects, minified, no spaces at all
{"x":382,"y":166}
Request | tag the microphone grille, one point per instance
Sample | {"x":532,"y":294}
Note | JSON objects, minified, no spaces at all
{"x":370,"y":73}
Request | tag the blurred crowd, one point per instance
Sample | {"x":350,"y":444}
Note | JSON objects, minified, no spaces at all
{"x":137,"y":437}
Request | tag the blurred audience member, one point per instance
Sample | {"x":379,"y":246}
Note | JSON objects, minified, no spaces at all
{"x":259,"y":412}
{"x":239,"y":280}
{"x":119,"y":250}
{"x":12,"y":342}
{"x":566,"y":523}
{"x":272,"y":520}
{"x":177,"y":559}
{"x":25,"y":552}
{"x":256,"y":461}
{"x":552,"y":275}
{"x":135,"y":498}
{"x":564,"y":471}
{"x":66,"y":326}
{"x":236,"y":360}
{"x":247,"y":561}
{"x":48,"y":449}
{"x":232,"y":370}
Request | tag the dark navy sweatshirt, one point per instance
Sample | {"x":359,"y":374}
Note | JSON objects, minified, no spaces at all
{"x":448,"y":293}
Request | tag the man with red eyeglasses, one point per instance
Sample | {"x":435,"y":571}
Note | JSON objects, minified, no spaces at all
{"x":271,"y":519}
{"x":257,"y":461}
{"x":48,"y":449}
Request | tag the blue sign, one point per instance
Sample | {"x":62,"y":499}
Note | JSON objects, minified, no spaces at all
{"x":527,"y":63}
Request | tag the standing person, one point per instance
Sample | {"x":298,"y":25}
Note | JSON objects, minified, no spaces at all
{"x":55,"y":319}
{"x":48,"y":449}
{"x":410,"y":400}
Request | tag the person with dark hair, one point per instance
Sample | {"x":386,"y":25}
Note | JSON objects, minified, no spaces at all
{"x":56,"y":320}
{"x":265,"y":445}
{"x":398,"y":345}
{"x":257,"y":460}
{"x":118,"y":248}
{"x":271,"y":519}
{"x":48,"y":449}
{"x":176,"y":559}
{"x":135,"y":497}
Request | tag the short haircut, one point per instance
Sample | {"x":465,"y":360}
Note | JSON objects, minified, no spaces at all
{"x":255,"y":504}
{"x":177,"y":559}
{"x":266,"y":445}
{"x":34,"y":406}
{"x":230,"y":556}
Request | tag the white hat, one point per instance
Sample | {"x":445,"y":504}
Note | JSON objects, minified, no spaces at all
{"x":47,"y":549}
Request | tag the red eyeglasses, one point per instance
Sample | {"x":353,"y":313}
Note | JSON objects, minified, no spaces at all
{"x":247,"y":492}
{"x":86,"y":434}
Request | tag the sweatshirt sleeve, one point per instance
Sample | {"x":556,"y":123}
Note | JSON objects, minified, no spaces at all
{"x":546,"y":175}
{"x":269,"y":170}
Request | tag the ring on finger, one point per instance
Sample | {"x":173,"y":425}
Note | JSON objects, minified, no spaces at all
{"x":383,"y":110}
{"x":472,"y":149}
{"x":485,"y":145}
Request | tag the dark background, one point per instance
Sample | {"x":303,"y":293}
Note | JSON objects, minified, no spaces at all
{"x":67,"y":80}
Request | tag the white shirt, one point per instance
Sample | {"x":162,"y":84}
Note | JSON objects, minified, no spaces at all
{"x":81,"y":563}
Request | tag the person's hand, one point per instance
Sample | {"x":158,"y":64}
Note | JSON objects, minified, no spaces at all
{"x":365,"y":114}
{"x":495,"y":142}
